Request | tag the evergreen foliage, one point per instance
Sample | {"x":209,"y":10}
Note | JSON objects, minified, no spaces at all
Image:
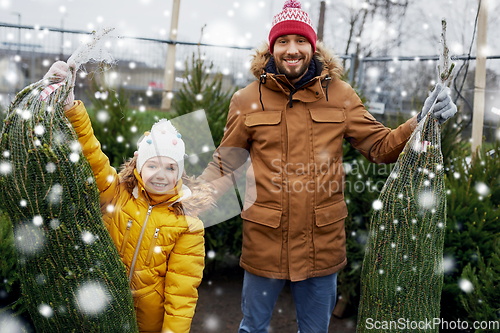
{"x":482,"y":303}
{"x":204,"y":91}
{"x":112,"y":122}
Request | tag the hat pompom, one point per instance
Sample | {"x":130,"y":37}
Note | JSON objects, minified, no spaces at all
{"x":292,"y":4}
{"x":164,"y":125}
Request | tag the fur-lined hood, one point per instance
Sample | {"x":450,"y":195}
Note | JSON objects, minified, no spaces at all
{"x":331,"y":62}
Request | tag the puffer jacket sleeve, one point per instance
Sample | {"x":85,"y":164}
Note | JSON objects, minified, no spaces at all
{"x":184,"y":274}
{"x":105,"y":175}
{"x":379,"y":144}
{"x":232,"y":152}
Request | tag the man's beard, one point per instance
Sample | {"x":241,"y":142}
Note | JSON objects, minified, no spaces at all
{"x":291,"y":74}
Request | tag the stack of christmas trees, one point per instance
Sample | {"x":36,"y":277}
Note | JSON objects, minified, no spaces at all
{"x":71,"y":275}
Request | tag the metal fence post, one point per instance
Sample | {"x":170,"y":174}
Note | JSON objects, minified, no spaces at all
{"x":360,"y":73}
{"x":351,"y":69}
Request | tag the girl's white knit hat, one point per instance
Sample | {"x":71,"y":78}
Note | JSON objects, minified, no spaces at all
{"x":162,"y":140}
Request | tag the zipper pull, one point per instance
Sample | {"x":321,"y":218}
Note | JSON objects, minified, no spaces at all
{"x":129,"y":224}
{"x":150,"y":209}
{"x":152,"y":246}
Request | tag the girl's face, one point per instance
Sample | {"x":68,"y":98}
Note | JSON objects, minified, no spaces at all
{"x":159,"y":174}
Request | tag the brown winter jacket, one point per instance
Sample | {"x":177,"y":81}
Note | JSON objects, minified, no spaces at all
{"x":295,"y":228}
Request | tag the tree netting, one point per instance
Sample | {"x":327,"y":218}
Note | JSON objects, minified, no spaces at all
{"x":72,"y":278}
{"x":402,"y":274}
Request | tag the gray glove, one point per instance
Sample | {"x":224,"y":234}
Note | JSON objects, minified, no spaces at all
{"x":444,"y":108}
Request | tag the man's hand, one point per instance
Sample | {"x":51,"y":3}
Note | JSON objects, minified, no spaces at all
{"x":444,"y":108}
{"x":58,"y":72}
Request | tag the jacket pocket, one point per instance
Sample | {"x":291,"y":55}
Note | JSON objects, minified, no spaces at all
{"x":264,"y":129}
{"x":152,"y":246}
{"x":270,"y":217}
{"x":263,"y":118}
{"x":328,"y":127}
{"x":327,"y":115}
{"x":125,"y":237}
{"x":330,"y":214}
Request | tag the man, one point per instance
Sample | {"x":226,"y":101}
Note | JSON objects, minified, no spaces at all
{"x":293,"y":121}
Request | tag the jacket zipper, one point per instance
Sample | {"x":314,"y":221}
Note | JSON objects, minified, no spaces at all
{"x":152,"y":246}
{"x":139,"y":245}
{"x":125,"y":237}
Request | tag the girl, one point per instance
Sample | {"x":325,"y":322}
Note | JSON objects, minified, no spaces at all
{"x":150,"y":214}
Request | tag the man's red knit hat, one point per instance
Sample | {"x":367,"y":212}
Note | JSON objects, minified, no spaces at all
{"x":292,"y":20}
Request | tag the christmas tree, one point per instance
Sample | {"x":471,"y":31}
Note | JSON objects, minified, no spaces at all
{"x":72,"y":278}
{"x":402,"y":274}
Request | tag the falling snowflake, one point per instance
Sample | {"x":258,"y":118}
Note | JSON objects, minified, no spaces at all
{"x":92,"y":298}
{"x":50,"y":167}
{"x":448,"y":264}
{"x":37,"y":220}
{"x":75,"y":147}
{"x":5,"y":168}
{"x":45,"y":310}
{"x":41,"y":279}
{"x":212,"y":323}
{"x":377,"y":205}
{"x":55,"y":194}
{"x":482,"y":189}
{"x":26,"y":114}
{"x":102,"y":116}
{"x":88,"y":237}
{"x":6,"y":154}
{"x":74,"y":157}
{"x":193,"y":159}
{"x":465,"y":285}
{"x":426,"y":200}
{"x":29,"y":239}
{"x":211,"y":254}
{"x":39,"y":130}
{"x":11,"y":324}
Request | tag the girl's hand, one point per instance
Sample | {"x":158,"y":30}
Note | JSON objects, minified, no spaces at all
{"x":58,"y":72}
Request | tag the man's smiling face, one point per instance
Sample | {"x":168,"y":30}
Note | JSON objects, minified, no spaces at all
{"x":292,"y":55}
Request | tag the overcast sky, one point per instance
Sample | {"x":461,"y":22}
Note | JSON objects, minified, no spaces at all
{"x":247,"y":23}
{"x":238,"y":22}
{"x":228,"y":22}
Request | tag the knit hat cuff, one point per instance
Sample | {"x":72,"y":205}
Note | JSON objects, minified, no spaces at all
{"x":291,"y":27}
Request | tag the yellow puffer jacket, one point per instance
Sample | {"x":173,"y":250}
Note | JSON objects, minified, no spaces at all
{"x":167,"y":259}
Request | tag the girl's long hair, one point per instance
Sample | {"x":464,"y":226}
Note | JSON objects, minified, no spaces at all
{"x":126,"y":176}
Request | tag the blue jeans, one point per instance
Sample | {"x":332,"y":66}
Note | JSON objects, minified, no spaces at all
{"x":314,"y":300}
